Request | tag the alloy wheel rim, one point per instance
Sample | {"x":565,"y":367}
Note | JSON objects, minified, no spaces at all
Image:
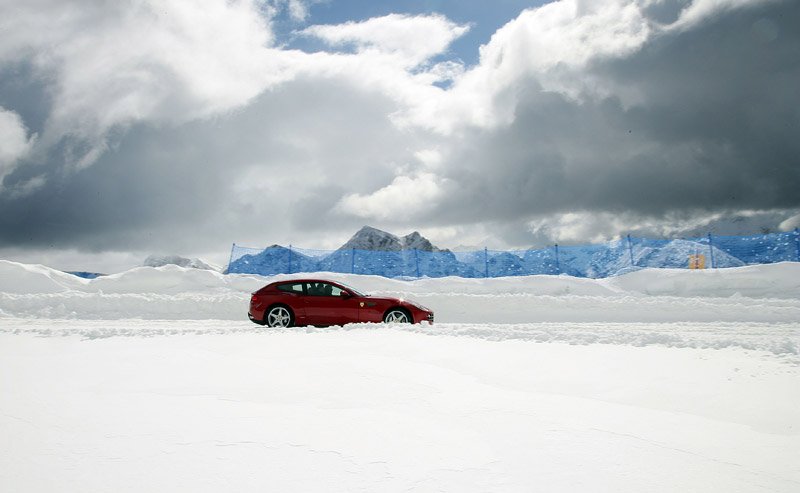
{"x":279,"y":317}
{"x":397,"y":317}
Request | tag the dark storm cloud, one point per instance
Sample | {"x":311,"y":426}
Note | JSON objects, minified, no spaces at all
{"x":26,"y":94}
{"x":271,"y":172}
{"x":702,"y":119}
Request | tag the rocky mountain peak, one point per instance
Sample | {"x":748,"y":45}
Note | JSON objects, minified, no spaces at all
{"x":369,"y":238}
{"x":418,"y":242}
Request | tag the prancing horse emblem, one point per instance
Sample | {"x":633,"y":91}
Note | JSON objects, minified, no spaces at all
{"x":362,"y":304}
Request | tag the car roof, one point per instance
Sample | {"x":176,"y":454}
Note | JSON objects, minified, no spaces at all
{"x":290,"y":281}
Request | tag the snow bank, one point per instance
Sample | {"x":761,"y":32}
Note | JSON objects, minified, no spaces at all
{"x":781,"y":280}
{"x":764,"y":293}
{"x":28,"y":278}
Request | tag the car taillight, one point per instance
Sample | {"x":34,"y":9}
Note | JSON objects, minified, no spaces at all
{"x":254,"y":299}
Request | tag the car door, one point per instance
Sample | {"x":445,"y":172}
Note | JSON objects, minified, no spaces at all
{"x":325,"y":305}
{"x":293,"y":295}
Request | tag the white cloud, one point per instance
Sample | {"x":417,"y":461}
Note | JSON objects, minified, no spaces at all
{"x":579,"y":227}
{"x":553,"y":47}
{"x":431,"y":158}
{"x":411,"y":40}
{"x":14,"y":141}
{"x":549,"y":46}
{"x":112,"y":64}
{"x":400,"y":200}
{"x":298,"y":9}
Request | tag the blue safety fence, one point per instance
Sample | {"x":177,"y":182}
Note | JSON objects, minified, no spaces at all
{"x":594,"y":261}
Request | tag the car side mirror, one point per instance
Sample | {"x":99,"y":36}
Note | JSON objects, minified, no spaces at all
{"x":344,"y":294}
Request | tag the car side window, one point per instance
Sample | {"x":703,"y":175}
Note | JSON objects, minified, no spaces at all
{"x":323,"y":289}
{"x":296,"y":288}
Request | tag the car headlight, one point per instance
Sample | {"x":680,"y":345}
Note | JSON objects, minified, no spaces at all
{"x":417,"y":305}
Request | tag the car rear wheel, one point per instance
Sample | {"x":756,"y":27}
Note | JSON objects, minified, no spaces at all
{"x":279,"y":316}
{"x":396,"y":316}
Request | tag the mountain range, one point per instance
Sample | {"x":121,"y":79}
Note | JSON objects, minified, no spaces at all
{"x":374,"y":252}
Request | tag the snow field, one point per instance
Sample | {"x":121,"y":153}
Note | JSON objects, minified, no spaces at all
{"x":153,"y":380}
{"x":386,"y":410}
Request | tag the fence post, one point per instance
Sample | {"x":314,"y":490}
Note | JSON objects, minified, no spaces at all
{"x":797,"y":242}
{"x":711,"y":250}
{"x":353,"y":261}
{"x":486,"y":260}
{"x":630,"y":250}
{"x":290,"y":259}
{"x":558,"y":263}
{"x":230,"y":259}
{"x":416,"y":261}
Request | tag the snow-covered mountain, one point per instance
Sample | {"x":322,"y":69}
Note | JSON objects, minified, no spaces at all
{"x":374,"y":252}
{"x":373,"y":239}
{"x":273,"y":260}
{"x":190,"y":263}
{"x":675,"y":254}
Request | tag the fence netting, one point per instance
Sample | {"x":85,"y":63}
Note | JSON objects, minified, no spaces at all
{"x":593,"y":261}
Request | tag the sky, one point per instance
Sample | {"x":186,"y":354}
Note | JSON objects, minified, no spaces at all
{"x":160,"y":127}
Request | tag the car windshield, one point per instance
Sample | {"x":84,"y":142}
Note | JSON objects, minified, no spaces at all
{"x":352,"y":290}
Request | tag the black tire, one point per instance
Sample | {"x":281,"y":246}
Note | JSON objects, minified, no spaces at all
{"x":397,"y":316}
{"x":279,"y":316}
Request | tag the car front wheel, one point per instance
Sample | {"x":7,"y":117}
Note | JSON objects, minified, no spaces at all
{"x":396,"y":316}
{"x":279,"y":316}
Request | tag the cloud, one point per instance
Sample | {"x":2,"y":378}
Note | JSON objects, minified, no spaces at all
{"x":14,"y":141}
{"x":110,"y":66}
{"x":550,"y":45}
{"x":401,"y":199}
{"x":113,"y":64}
{"x":298,"y":9}
{"x":271,"y":172}
{"x":410,"y":40}
{"x":597,"y":227}
{"x":697,"y":119}
{"x":559,"y":48}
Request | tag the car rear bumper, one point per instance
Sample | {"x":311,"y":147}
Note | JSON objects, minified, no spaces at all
{"x":254,"y":319}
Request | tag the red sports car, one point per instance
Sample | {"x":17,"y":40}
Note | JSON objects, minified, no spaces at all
{"x":320,"y":302}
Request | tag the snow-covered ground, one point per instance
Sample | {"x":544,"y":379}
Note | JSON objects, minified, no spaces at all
{"x":154,"y":380}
